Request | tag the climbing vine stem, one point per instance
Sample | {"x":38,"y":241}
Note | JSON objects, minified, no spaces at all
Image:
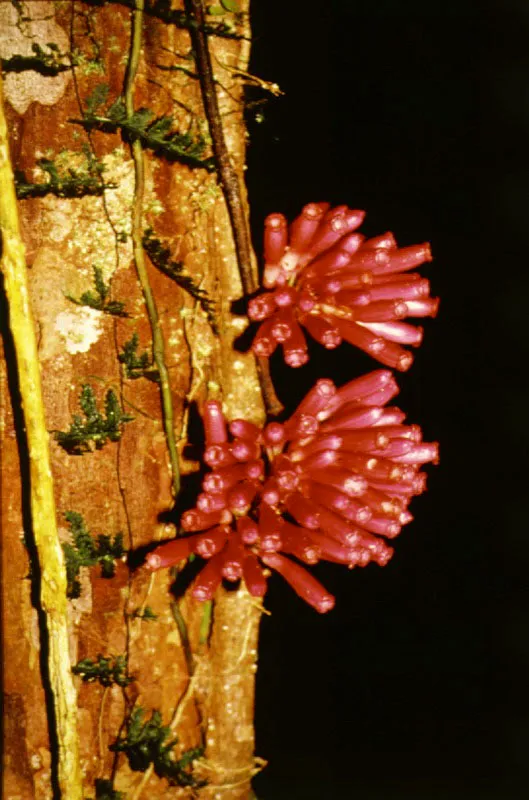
{"x":158,"y":346}
{"x":53,"y":581}
{"x":229,"y":180}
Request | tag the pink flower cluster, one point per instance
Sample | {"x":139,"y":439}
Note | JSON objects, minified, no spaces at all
{"x":338,"y":285}
{"x":326,"y":484}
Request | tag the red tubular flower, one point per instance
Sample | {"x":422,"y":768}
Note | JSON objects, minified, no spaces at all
{"x":326,"y":484}
{"x":339,"y":286}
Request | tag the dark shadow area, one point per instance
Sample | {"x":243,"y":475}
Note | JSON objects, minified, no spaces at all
{"x":414,"y":686}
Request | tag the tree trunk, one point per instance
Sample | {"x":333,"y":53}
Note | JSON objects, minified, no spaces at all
{"x":197,"y":671}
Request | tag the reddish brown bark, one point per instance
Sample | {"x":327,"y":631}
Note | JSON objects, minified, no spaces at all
{"x":126,"y":486}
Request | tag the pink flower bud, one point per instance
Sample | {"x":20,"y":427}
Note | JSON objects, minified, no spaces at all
{"x":420,"y":454}
{"x":217,"y":455}
{"x":247,"y":530}
{"x":261,"y":307}
{"x":243,"y":429}
{"x":224,"y":478}
{"x":414,"y":288}
{"x":385,"y":240}
{"x":211,"y":542}
{"x":307,"y":587}
{"x":305,"y":226}
{"x":208,"y":580}
{"x":408,"y":257}
{"x":317,"y":398}
{"x":351,"y":417}
{"x":357,"y":512}
{"x":301,"y":426}
{"x":282,"y":324}
{"x":331,"y":550}
{"x":270,"y":525}
{"x":254,"y":577}
{"x":382,"y":311}
{"x":241,"y":497}
{"x":285,"y":296}
{"x":321,"y":329}
{"x":335,"y":225}
{"x":198,"y":521}
{"x":233,"y":560}
{"x":320,"y":461}
{"x":330,"y":441}
{"x":364,"y":440}
{"x":400,"y":332}
{"x":274,"y":433}
{"x":304,"y":511}
{"x":245,"y":450}
{"x":428,"y":307}
{"x":391,"y":416}
{"x":214,"y":423}
{"x":170,"y":553}
{"x":327,"y":496}
{"x":382,"y":525}
{"x":353,"y":298}
{"x":275,"y":238}
{"x":300,"y":544}
{"x":211,"y":502}
{"x":265,"y":343}
{"x":349,"y":483}
{"x":295,"y":347}
{"x":361,"y":387}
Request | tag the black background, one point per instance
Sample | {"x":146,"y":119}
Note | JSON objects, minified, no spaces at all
{"x":415,"y":685}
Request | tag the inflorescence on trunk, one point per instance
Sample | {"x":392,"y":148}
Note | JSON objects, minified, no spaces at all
{"x":326,"y":277}
{"x":331,"y":483}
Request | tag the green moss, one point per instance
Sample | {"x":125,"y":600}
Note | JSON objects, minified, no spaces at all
{"x":154,"y":133}
{"x":100,"y":298}
{"x":107,"y":671}
{"x":147,"y":742}
{"x":95,"y":430}
{"x":137,"y":366}
{"x":85,"y":551}
{"x":63,"y":180}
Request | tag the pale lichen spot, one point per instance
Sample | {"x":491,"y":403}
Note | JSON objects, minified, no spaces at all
{"x":24,"y":88}
{"x":80,"y":328}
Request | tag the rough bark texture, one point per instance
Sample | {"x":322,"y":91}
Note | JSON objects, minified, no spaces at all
{"x":125,"y":486}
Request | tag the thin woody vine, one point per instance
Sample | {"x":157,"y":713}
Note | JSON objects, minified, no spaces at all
{"x":330,"y":480}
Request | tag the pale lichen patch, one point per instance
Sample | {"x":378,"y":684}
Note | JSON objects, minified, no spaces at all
{"x":24,"y":88}
{"x":80,"y":328}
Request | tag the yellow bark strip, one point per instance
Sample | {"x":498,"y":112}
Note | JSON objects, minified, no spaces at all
{"x":51,"y":561}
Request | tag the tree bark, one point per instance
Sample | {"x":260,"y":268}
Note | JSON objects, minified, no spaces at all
{"x":203,"y":687}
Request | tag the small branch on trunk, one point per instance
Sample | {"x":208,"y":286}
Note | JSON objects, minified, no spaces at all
{"x":229,"y":180}
{"x":158,"y":345}
{"x":52,"y":579}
